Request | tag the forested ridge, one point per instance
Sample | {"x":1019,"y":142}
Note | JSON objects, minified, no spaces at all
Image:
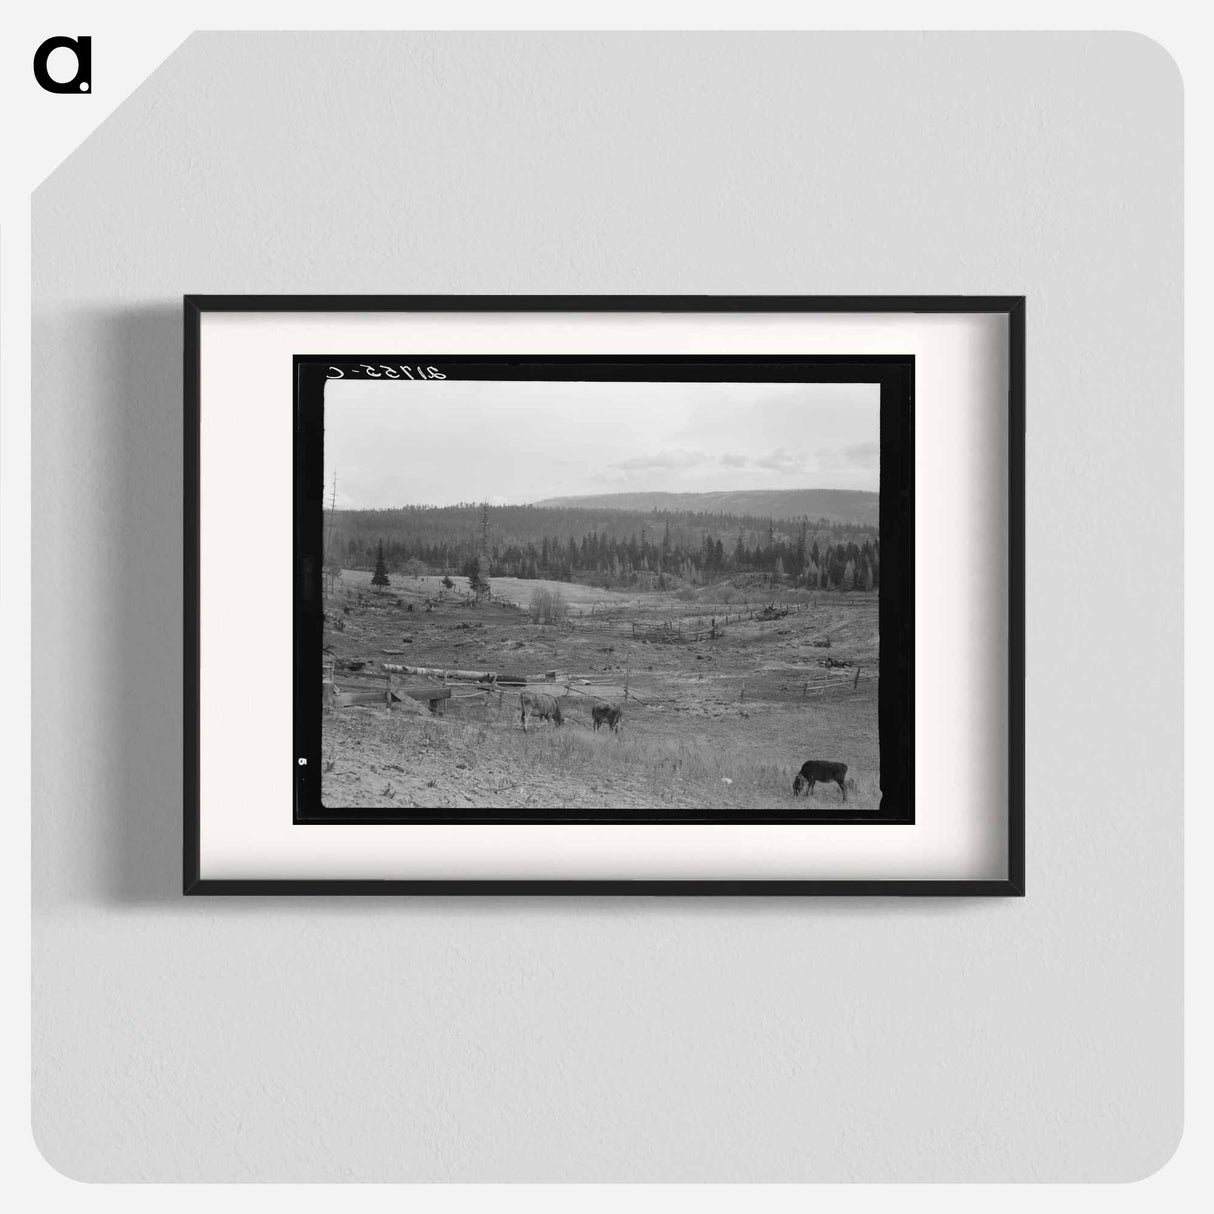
{"x":608,"y":546}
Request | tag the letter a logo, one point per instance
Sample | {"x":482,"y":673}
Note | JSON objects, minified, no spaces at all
{"x":82,"y":81}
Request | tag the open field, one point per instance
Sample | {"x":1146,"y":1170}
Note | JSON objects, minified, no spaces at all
{"x":517,"y":591}
{"x":718,"y":723}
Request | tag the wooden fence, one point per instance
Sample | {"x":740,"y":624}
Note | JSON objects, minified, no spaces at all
{"x":679,"y":628}
{"x":438,"y":685}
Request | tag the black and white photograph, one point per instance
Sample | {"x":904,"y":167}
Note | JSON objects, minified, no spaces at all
{"x":617,"y":590}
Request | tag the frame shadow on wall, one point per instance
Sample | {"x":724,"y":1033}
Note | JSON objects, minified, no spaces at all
{"x":144,"y":725}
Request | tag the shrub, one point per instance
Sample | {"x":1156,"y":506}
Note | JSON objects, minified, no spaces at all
{"x":548,"y":606}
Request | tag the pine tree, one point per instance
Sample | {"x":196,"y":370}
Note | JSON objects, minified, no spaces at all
{"x":472,"y":571}
{"x":380,"y":577}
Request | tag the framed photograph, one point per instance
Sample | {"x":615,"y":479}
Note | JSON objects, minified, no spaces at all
{"x":614,"y":594}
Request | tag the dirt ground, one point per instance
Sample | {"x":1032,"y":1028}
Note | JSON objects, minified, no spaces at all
{"x":719,"y":723}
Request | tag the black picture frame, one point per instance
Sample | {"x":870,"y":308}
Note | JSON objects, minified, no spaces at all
{"x":1010,"y":307}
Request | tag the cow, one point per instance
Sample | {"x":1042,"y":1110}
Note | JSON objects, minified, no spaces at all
{"x":814,"y":770}
{"x":607,"y":714}
{"x":537,"y":704}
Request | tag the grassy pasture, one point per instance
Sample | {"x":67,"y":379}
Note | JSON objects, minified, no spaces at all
{"x":721,"y":723}
{"x":479,"y":755}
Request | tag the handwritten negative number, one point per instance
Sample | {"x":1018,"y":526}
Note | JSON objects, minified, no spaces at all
{"x":384,"y":371}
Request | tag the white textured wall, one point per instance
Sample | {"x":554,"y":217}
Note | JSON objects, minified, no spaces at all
{"x":625,"y":1039}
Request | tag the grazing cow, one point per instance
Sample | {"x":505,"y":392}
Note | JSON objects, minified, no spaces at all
{"x":537,"y":704}
{"x":607,"y":714}
{"x":816,"y":769}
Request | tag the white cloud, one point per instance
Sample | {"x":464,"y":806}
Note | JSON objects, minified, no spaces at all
{"x":778,"y":460}
{"x":662,"y":459}
{"x":863,"y":455}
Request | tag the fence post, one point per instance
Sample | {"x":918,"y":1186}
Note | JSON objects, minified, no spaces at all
{"x":743,"y":699}
{"x":856,"y":681}
{"x":627,"y":677}
{"x":388,"y":697}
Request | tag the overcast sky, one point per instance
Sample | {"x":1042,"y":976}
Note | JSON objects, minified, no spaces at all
{"x":398,"y":443}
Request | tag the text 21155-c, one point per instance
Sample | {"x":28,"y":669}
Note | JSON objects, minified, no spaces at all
{"x":383,"y":371}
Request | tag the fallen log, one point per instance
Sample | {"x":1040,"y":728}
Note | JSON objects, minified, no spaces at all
{"x":433,"y":672}
{"x":471,"y":676}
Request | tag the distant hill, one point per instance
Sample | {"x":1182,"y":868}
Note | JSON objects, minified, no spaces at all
{"x":837,"y":505}
{"x":616,"y":537}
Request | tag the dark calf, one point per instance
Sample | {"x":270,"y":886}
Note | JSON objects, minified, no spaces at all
{"x":817,"y":769}
{"x":607,"y":714}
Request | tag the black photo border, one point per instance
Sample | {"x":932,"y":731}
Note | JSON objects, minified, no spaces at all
{"x":894,"y":377}
{"x":1012,"y":307}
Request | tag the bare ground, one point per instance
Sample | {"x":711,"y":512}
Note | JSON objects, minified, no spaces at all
{"x":720,"y":724}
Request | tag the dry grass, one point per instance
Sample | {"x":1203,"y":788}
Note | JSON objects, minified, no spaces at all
{"x":570,"y":766}
{"x":708,"y":772}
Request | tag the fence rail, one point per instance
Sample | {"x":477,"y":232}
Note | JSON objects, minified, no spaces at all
{"x":698,"y":627}
{"x":368,"y":687}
